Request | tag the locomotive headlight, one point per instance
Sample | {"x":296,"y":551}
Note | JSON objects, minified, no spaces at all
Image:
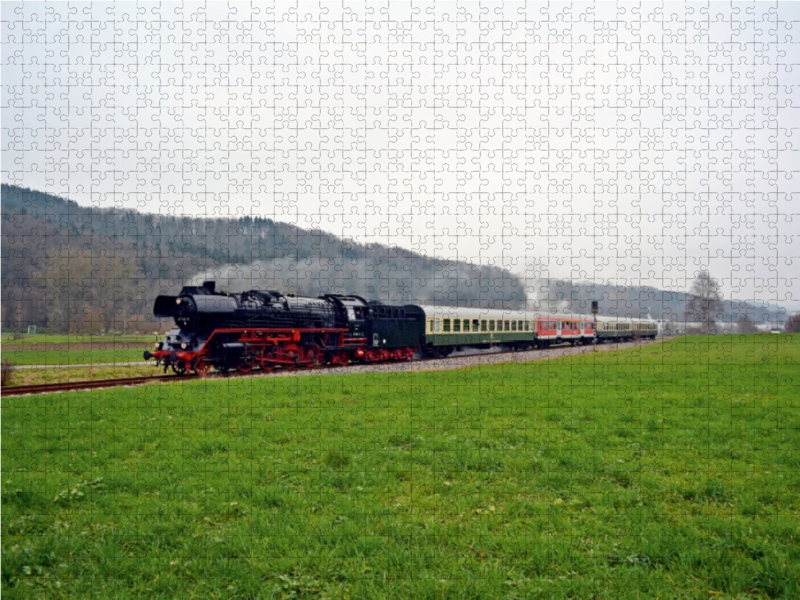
{"x":156,"y":345}
{"x":184,"y":345}
{"x":177,"y":300}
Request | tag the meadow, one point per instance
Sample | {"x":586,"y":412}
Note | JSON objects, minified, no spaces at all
{"x":669,"y":470}
{"x":73,"y":356}
{"x":52,"y":349}
{"x":58,"y":338}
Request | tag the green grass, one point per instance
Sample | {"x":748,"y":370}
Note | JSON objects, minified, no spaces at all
{"x":670,"y":470}
{"x":40,"y":338}
{"x":73,"y":357}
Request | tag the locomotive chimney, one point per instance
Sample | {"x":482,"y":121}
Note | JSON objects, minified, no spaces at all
{"x":210,"y":286}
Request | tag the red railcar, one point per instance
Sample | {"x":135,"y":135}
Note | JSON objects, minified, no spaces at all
{"x":557,"y":329}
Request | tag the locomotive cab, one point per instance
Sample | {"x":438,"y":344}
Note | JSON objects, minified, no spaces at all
{"x":356,"y":311}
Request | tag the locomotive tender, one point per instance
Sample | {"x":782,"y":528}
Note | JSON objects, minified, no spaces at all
{"x":267,"y":329}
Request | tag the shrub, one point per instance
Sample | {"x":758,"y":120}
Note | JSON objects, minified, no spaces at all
{"x":6,"y":372}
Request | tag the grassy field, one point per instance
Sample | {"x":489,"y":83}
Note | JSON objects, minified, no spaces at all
{"x":73,"y":357}
{"x":73,"y":349}
{"x":39,"y":338}
{"x":665,"y":471}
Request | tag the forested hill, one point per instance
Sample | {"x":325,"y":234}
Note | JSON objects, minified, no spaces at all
{"x":71,"y":268}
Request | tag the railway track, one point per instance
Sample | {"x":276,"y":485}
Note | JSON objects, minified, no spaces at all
{"x":47,"y":388}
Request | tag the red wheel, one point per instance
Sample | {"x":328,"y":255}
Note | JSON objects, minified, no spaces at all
{"x":244,"y":368}
{"x":313,"y":358}
{"x":340,"y":358}
{"x":179,"y":368}
{"x":202,"y":366}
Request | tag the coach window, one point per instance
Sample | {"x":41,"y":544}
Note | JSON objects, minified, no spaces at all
{"x":491,"y":325}
{"x":475,"y":325}
{"x":513,"y":325}
{"x":446,"y":328}
{"x":456,"y":325}
{"x":484,"y":325}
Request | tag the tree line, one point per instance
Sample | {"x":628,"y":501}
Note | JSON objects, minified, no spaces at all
{"x":73,"y":269}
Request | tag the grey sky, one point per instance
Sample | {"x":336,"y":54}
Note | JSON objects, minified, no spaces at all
{"x":622,"y":143}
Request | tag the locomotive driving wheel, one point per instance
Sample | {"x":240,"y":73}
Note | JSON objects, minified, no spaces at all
{"x":244,"y":368}
{"x":313,"y":358}
{"x":293,"y":356}
{"x":179,"y":368}
{"x":202,"y":366}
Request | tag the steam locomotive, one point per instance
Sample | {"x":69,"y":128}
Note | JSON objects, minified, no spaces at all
{"x":267,"y":329}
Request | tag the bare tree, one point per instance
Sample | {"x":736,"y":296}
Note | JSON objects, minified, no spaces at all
{"x":793,"y":324}
{"x":705,"y":302}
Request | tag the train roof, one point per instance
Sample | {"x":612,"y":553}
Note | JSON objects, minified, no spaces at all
{"x":456,"y":312}
{"x":612,"y":318}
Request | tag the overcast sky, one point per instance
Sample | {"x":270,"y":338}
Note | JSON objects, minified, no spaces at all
{"x":618,"y":143}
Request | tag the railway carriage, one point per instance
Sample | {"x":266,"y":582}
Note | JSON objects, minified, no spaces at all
{"x":448,"y":329}
{"x":621,"y":329}
{"x":552,"y":329}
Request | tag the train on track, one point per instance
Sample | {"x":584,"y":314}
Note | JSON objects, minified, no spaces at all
{"x":267,"y":329}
